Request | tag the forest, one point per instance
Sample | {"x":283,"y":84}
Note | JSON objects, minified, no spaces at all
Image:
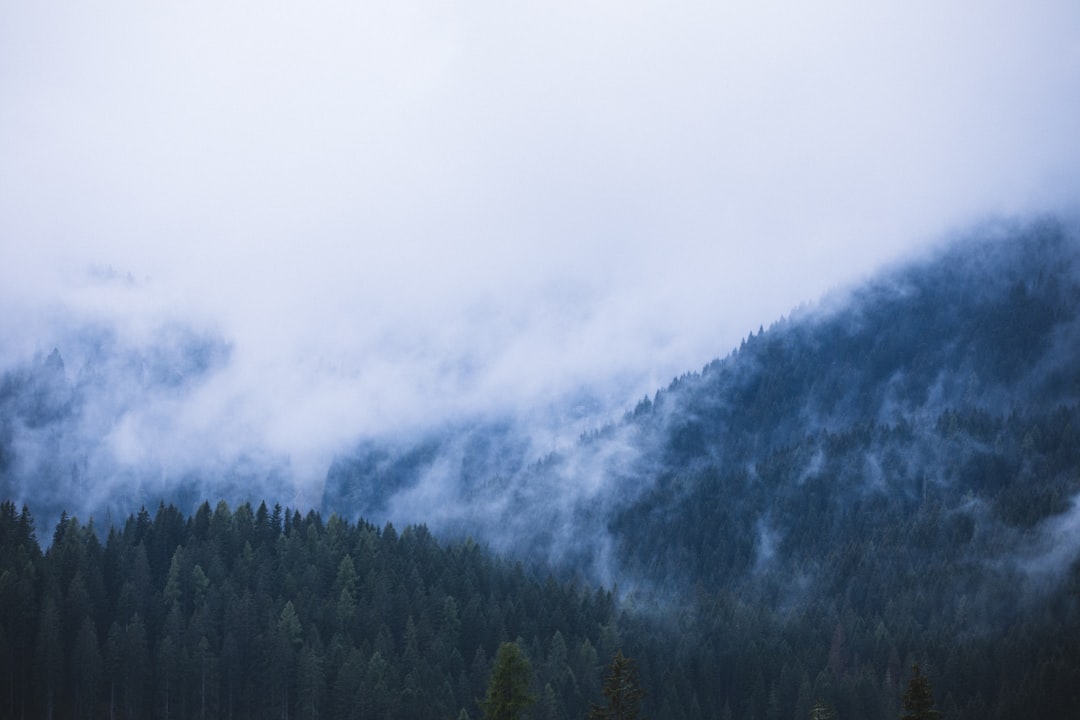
{"x":888,"y":480}
{"x":270,"y":613}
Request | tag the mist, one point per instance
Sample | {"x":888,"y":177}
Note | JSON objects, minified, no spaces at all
{"x":387,"y":220}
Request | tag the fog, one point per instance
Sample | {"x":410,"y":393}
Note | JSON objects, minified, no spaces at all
{"x":389,"y":216}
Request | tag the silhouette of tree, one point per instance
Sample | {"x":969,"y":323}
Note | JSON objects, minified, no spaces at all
{"x":621,"y":691}
{"x":508,"y":690}
{"x":919,"y":698}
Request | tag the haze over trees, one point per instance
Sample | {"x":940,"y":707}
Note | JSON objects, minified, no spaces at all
{"x":888,"y":480}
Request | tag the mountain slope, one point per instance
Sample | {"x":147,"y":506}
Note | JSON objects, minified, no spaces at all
{"x":888,"y":478}
{"x":952,"y":380}
{"x":950,"y":384}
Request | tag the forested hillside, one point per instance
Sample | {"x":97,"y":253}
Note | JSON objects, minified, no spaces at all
{"x":950,"y":382}
{"x":891,"y":477}
{"x":941,"y":398}
{"x":267,"y":613}
{"x":887,"y":478}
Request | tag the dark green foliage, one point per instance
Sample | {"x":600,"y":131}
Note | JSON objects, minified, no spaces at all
{"x":919,"y":698}
{"x":622,"y":694}
{"x":327,"y":620}
{"x":85,"y":670}
{"x":508,"y":689}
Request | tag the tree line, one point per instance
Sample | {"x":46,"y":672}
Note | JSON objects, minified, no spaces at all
{"x":265,"y":613}
{"x":253,"y":613}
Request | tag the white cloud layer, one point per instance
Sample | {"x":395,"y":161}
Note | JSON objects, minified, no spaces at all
{"x":399,"y":211}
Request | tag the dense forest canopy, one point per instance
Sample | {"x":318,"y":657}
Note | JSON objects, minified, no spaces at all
{"x":270,"y":613}
{"x":885,"y":480}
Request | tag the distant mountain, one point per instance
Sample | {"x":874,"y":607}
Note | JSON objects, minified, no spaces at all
{"x":933,"y":408}
{"x":62,"y":424}
{"x":950,"y":382}
{"x":890,"y":476}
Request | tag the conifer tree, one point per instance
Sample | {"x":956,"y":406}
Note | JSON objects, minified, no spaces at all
{"x":508,"y":690}
{"x":919,"y":698}
{"x":621,"y":691}
{"x":49,"y":656}
{"x":85,"y":670}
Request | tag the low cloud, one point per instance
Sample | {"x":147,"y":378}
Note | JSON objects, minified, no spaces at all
{"x":1053,"y":548}
{"x":389,"y":218}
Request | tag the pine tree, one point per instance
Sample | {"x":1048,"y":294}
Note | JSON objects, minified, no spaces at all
{"x":287,"y":641}
{"x":86,"y":670}
{"x":49,"y":656}
{"x":508,"y":690}
{"x":135,"y":666}
{"x":621,"y":691}
{"x":919,"y":698}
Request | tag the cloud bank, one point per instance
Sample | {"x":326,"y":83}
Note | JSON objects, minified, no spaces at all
{"x":397,"y":213}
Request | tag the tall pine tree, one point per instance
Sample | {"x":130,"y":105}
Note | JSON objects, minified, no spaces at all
{"x":919,"y":698}
{"x":621,"y":691}
{"x":508,"y":690}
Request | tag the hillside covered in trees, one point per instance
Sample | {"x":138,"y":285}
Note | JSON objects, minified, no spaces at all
{"x":254,"y":614}
{"x":888,"y":478}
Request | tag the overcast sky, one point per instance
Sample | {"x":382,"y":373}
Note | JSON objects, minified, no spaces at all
{"x":399,"y":210}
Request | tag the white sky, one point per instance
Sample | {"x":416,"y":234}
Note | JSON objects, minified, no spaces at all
{"x":398,"y":210}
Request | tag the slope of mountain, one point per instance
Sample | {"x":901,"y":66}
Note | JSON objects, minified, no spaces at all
{"x":950,"y":382}
{"x":887,"y":478}
{"x":944,"y":391}
{"x":64,"y":416}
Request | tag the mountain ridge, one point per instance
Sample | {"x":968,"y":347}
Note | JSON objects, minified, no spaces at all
{"x":887,"y":478}
{"x":983,"y":325}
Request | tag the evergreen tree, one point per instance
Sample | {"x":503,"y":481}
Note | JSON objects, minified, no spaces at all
{"x":50,"y":656}
{"x":508,"y":689}
{"x":168,"y":669}
{"x":919,"y":698}
{"x":310,"y":681}
{"x":85,"y":670}
{"x":621,"y":691}
{"x":114,"y":664}
{"x":287,"y":641}
{"x":135,"y":666}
